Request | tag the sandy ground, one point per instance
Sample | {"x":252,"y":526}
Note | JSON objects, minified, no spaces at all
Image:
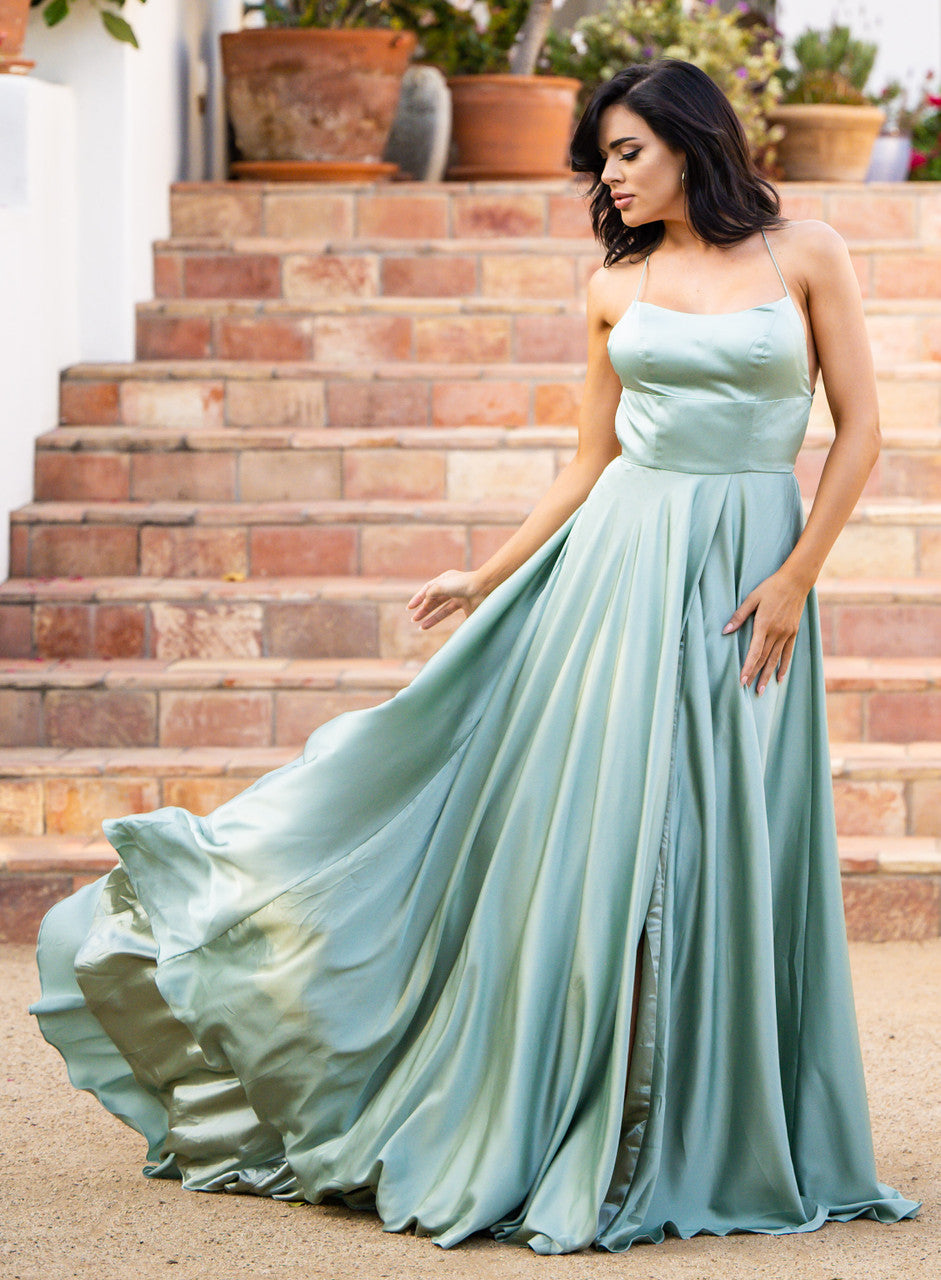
{"x":73,"y":1202}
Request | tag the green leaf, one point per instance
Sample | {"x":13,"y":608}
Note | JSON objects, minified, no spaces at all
{"x":118,"y":28}
{"x":55,"y":12}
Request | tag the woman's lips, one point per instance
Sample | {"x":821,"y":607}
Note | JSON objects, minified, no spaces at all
{"x":622,"y":202}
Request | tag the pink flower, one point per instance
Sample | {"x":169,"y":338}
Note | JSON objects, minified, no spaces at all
{"x":935,"y":102}
{"x":918,"y":159}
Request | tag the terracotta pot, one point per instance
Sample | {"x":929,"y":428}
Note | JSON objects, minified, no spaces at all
{"x":511,"y":126}
{"x":312,"y":97}
{"x":824,"y":142}
{"x":14,"y":15}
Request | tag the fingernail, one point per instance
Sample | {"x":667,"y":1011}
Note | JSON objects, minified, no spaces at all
{"x":761,"y":689}
{"x":727,"y":628}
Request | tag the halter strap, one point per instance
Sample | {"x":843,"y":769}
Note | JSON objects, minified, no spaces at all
{"x":775,"y":261}
{"x":640,"y":282}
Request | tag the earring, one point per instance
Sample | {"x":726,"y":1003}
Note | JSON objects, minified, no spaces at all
{"x":683,"y":178}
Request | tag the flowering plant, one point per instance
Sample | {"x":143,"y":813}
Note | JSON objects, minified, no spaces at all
{"x":475,"y":37}
{"x":926,"y":141}
{"x":737,"y":49}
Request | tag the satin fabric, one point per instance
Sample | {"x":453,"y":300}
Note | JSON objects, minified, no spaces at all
{"x":399,"y":970}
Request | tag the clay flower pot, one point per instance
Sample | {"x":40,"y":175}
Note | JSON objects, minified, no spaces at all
{"x":312,"y":103}
{"x":506,"y":126}
{"x":13,"y":18}
{"x":825,"y":142}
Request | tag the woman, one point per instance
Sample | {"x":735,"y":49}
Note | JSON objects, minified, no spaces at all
{"x":551,"y":945}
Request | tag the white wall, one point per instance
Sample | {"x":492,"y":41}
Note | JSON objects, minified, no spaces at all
{"x":38,"y":269}
{"x":130,"y":135}
{"x":908,"y":33}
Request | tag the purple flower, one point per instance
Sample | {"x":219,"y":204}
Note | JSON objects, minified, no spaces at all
{"x":743,"y":6}
{"x":742,"y":73}
{"x":648,"y":50}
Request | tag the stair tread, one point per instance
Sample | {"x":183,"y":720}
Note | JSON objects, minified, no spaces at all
{"x":901,"y":759}
{"x":210,"y":673}
{"x":875,"y":510}
{"x":127,"y":439}
{"x":435,"y":305}
{"x":844,"y":673}
{"x":511,"y":245}
{"x":169,"y":370}
{"x":899,"y":855}
{"x":307,"y":588}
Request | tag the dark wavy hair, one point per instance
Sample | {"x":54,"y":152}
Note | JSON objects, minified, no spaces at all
{"x":727,"y":198}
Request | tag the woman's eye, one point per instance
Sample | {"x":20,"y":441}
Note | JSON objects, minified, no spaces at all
{"x":630,"y":155}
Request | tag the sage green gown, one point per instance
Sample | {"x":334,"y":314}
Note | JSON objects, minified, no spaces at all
{"x":399,"y":970}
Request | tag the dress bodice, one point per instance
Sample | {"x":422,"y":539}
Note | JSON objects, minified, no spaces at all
{"x":712,"y":392}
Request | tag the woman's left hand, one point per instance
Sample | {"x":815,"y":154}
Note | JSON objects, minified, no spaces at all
{"x":777,"y":603}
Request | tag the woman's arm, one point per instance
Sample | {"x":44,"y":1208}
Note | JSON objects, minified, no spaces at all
{"x":597,"y":446}
{"x":839,"y":331}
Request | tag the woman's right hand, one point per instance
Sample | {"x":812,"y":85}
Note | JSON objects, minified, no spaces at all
{"x":449,"y":591}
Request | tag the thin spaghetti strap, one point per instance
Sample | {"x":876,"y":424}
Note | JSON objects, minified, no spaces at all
{"x":640,"y":282}
{"x":775,"y":261}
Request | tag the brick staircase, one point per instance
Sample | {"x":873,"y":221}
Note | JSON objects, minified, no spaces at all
{"x":338,"y":393}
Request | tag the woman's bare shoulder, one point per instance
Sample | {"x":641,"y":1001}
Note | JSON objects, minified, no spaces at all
{"x":610,"y":290}
{"x":811,"y":252}
{"x":811,"y":239}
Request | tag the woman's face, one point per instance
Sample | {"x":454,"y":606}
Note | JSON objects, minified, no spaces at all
{"x":640,"y":170}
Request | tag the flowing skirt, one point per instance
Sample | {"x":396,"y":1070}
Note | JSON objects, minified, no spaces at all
{"x":399,"y":971}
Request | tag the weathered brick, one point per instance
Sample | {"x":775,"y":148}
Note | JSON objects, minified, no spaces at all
{"x":63,"y":630}
{"x":223,"y":717}
{"x":289,"y":475}
{"x":77,"y":806}
{"x":265,"y":338}
{"x":323,"y":629}
{"x":74,"y":477}
{"x":21,"y":807}
{"x":20,"y":719}
{"x":394,"y":473}
{"x":162,"y":337}
{"x":406,"y":550}
{"x":82,"y":402}
{"x":188,"y":551}
{"x":100,"y":717}
{"x":235,"y":275}
{"x":283,"y":551}
{"x":91,"y":551}
{"x":183,"y":475}
{"x":275,"y":402}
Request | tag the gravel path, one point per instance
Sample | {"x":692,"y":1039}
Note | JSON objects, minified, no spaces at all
{"x":74,"y":1203}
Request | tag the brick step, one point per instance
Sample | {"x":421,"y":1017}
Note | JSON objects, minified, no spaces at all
{"x":304,"y":271}
{"x":435,"y":211}
{"x":258,"y":702}
{"x":471,"y":464}
{"x":881,"y":789}
{"x":255,"y":702}
{"x":460,"y":330}
{"x":883,"y":536}
{"x":173,"y":618}
{"x":211,"y":394}
{"x":343,"y":332}
{"x":891,"y":884}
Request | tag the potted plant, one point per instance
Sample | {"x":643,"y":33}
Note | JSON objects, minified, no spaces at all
{"x":13,"y":17}
{"x":508,"y":121}
{"x":830,"y":125}
{"x":312,"y":95}
{"x":892,"y":150}
{"x":736,"y":48}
